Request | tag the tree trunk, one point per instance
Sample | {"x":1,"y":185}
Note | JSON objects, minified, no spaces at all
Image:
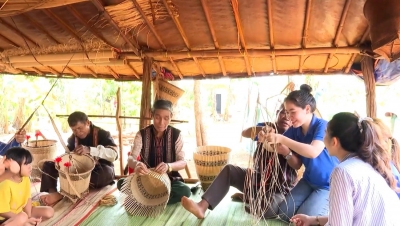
{"x":145,"y":106}
{"x":367,"y":67}
{"x":201,"y":135}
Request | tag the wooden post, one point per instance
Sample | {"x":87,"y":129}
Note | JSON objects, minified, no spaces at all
{"x":201,"y":136}
{"x":367,"y":67}
{"x":145,"y":105}
{"x":121,"y":146}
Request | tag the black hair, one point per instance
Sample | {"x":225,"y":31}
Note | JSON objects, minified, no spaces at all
{"x":162,"y":104}
{"x":302,"y":98}
{"x":364,"y":139}
{"x":76,"y":117}
{"x":19,"y":155}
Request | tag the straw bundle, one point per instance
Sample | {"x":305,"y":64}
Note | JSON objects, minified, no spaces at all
{"x":209,"y":161}
{"x":42,"y":149}
{"x":146,"y":195}
{"x":128,"y":17}
{"x":75,"y":179}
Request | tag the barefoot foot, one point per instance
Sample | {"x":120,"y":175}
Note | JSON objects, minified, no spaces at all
{"x":192,"y":207}
{"x":51,"y":199}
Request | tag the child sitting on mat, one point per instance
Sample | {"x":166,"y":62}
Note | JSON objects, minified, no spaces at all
{"x":15,"y":193}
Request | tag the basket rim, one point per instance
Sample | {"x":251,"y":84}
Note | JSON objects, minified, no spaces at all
{"x":75,"y":174}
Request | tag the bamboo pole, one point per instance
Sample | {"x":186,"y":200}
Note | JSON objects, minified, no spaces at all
{"x":72,"y":63}
{"x":118,"y":121}
{"x":367,"y":67}
{"x":100,"y":55}
{"x":252,"y":53}
{"x":121,"y":116}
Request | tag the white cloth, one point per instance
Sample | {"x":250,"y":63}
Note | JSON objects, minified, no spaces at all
{"x":102,"y":152}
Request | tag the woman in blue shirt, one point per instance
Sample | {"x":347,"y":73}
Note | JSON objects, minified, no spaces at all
{"x":301,"y":144}
{"x":18,"y":139}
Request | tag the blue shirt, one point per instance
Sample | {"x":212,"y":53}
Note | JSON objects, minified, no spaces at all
{"x":4,"y":147}
{"x":317,"y":170}
{"x":396,"y":176}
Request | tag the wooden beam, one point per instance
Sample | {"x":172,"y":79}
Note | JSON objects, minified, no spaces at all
{"x":353,"y":56}
{"x":176,"y":67}
{"x":72,"y":72}
{"x":113,"y":73}
{"x":145,"y":104}
{"x":9,"y":41}
{"x":367,"y":67}
{"x":52,"y":70}
{"x":91,"y":71}
{"x":91,"y":28}
{"x":199,"y":66}
{"x":37,"y":71}
{"x":102,"y":11}
{"x":149,"y":25}
{"x":305,"y":33}
{"x":235,"y":6}
{"x":251,"y":52}
{"x":338,"y":32}
{"x":17,"y":31}
{"x":271,"y":34}
{"x":181,"y":31}
{"x":214,"y":36}
{"x":38,"y":26}
{"x":135,"y":73}
{"x":62,"y":24}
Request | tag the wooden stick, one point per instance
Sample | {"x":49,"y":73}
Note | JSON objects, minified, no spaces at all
{"x":112,"y":72}
{"x":353,"y":57}
{"x":176,"y":67}
{"x":135,"y":73}
{"x":271,"y":35}
{"x":100,"y":56}
{"x":338,"y":32}
{"x":62,"y":24}
{"x":199,"y":66}
{"x":121,"y":116}
{"x":118,"y":121}
{"x":72,"y":72}
{"x":91,"y":71}
{"x":37,"y":71}
{"x":252,"y":53}
{"x":72,"y":63}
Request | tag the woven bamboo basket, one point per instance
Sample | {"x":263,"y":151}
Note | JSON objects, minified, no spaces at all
{"x":384,"y":24}
{"x":167,"y":91}
{"x":146,"y":195}
{"x":74,"y":180}
{"x":43,"y":149}
{"x":209,"y":161}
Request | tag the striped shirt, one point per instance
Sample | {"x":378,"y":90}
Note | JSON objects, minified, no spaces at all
{"x":360,"y":196}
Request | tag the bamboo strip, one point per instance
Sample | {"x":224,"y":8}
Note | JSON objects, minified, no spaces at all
{"x":63,"y":56}
{"x":72,"y":63}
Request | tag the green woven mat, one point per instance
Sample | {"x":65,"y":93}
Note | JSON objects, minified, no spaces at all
{"x":226,"y":213}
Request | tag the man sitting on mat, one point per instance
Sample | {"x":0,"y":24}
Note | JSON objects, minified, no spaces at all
{"x":86,"y":139}
{"x":236,"y":176}
{"x":160,"y":147}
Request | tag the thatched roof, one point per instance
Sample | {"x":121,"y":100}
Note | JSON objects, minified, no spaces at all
{"x":196,"y":38}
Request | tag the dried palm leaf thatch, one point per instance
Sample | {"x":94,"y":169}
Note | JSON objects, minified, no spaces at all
{"x":128,"y":17}
{"x":146,"y":195}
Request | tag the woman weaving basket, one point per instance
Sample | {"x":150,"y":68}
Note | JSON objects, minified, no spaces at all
{"x":86,"y":139}
{"x":160,"y":147}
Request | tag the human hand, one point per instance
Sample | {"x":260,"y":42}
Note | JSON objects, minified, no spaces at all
{"x":282,"y":149}
{"x":301,"y":220}
{"x":82,"y":150}
{"x":268,"y":129}
{"x":20,"y":136}
{"x":161,"y":168}
{"x":141,"y":169}
{"x":273,"y":138}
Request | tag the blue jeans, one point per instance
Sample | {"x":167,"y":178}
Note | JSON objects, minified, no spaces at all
{"x":304,"y":199}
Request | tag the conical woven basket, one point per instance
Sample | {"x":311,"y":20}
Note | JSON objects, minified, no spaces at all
{"x":74,"y":180}
{"x":167,"y":91}
{"x":43,"y":149}
{"x":209,"y":161}
{"x":146,"y":195}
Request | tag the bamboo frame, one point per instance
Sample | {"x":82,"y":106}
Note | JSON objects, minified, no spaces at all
{"x":118,"y":121}
{"x":338,"y":32}
{"x":70,"y":63}
{"x":78,"y":16}
{"x":15,"y":30}
{"x":62,"y":24}
{"x":39,"y":27}
{"x":214,"y":37}
{"x":235,"y":6}
{"x":251,"y":53}
{"x":353,"y":56}
{"x":100,"y":8}
{"x":305,"y":33}
{"x":182,"y":32}
{"x":271,"y":34}
{"x":104,"y":55}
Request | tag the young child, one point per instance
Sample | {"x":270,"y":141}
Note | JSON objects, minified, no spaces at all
{"x":15,"y":193}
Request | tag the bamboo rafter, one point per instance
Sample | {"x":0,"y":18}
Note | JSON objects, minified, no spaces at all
{"x":91,"y":71}
{"x":37,"y":71}
{"x":176,"y":67}
{"x":114,"y":74}
{"x":9,"y":41}
{"x":305,"y":33}
{"x":354,"y":55}
{"x":235,"y":6}
{"x":214,"y":37}
{"x":18,"y":32}
{"x":271,"y":34}
{"x":338,"y":32}
{"x":62,"y":24}
{"x":40,"y":27}
{"x":134,"y":71}
{"x":182,"y":32}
